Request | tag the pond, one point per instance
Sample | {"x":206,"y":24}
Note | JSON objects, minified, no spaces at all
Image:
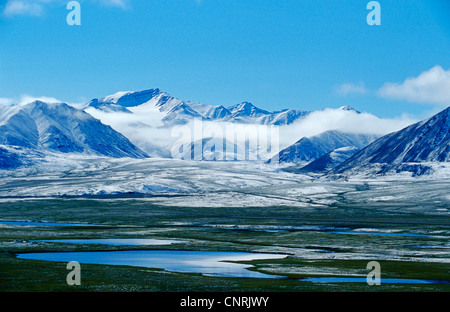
{"x":384,"y":234}
{"x":329,"y":280}
{"x":208,"y":263}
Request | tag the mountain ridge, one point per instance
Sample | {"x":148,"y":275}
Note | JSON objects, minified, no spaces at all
{"x":59,"y":127}
{"x":422,"y":142}
{"x":308,"y":149}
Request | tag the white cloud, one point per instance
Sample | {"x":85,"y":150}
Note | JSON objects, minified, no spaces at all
{"x":6,"y":102}
{"x":37,"y":7}
{"x":24,"y":7}
{"x":115,"y":3}
{"x":25,"y":99}
{"x":351,"y":88}
{"x":430,"y":87}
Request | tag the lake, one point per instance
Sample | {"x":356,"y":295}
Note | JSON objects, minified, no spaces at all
{"x":209,"y":263}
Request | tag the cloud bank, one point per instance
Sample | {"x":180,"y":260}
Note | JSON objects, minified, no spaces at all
{"x":145,"y":131}
{"x":341,"y":120}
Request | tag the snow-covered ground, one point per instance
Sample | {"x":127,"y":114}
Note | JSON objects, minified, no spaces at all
{"x":75,"y":174}
{"x":214,"y":184}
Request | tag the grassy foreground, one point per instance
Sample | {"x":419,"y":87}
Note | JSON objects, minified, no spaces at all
{"x":307,"y":236}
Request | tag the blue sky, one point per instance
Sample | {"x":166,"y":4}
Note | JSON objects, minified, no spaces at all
{"x":274,"y":53}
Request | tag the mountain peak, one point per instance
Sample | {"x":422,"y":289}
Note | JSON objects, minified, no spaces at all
{"x":241,"y":106}
{"x":348,"y":108}
{"x":126,"y":98}
{"x":246,"y":109}
{"x":38,"y":103}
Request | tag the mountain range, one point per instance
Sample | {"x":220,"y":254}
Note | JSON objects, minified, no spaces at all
{"x":35,"y":129}
{"x":178,"y":112}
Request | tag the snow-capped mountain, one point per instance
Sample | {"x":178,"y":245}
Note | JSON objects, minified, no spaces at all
{"x":349,"y":108}
{"x":284,"y":117}
{"x":309,"y":149}
{"x":246,"y":109}
{"x":405,"y":150}
{"x":330,"y":160}
{"x":246,"y":112}
{"x":209,"y":149}
{"x":58,"y":127}
{"x":177,"y":112}
{"x":129,"y":99}
{"x":172,"y":110}
{"x":211,"y":112}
